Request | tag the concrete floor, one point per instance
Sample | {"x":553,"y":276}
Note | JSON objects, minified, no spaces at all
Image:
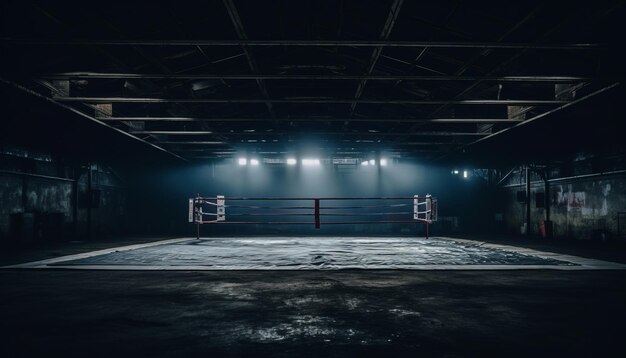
{"x":312,"y":313}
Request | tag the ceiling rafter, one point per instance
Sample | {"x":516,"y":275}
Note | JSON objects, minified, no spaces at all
{"x":278,"y":43}
{"x":394,"y":11}
{"x":313,"y":119}
{"x":319,"y":100}
{"x":254,"y":67}
{"x":366,"y":77}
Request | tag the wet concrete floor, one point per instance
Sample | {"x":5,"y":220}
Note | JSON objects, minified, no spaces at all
{"x":312,"y":313}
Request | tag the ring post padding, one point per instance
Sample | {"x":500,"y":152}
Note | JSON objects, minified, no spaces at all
{"x":197,"y":210}
{"x":221,"y":208}
{"x":415,"y":207}
{"x":433,"y":209}
{"x":191,"y":207}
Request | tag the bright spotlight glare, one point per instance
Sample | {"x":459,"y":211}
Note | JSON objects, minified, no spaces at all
{"x":383,"y":162}
{"x":254,"y":162}
{"x":309,"y":162}
{"x":365,"y":163}
{"x":456,"y":172}
{"x":465,"y":174}
{"x":291,"y":161}
{"x":242,"y":161}
{"x":372,"y":162}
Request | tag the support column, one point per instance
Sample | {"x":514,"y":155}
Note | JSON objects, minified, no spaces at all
{"x":89,"y":199}
{"x":76,"y":175}
{"x":527,"y":200}
{"x":547,"y":224}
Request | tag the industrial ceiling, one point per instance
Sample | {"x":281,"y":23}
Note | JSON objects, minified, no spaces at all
{"x":343,"y":78}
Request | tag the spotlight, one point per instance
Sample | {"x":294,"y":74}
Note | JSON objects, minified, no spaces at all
{"x":254,"y":162}
{"x":372,"y":162}
{"x":242,"y":161}
{"x":291,"y":161}
{"x":310,"y":162}
{"x":365,"y":163}
{"x":455,"y":172}
{"x":383,"y":162}
{"x":465,"y":174}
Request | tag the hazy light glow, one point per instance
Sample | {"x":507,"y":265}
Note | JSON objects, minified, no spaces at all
{"x":383,"y":162}
{"x":254,"y":162}
{"x":456,"y":172}
{"x":372,"y":162}
{"x":465,"y":174}
{"x":292,"y":161}
{"x":310,"y":162}
{"x":242,"y":161}
{"x":365,"y":163}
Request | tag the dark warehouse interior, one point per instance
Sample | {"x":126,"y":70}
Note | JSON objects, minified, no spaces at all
{"x":312,"y":178}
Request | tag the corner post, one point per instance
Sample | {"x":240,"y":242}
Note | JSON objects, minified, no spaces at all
{"x":195,"y":215}
{"x":317,"y":213}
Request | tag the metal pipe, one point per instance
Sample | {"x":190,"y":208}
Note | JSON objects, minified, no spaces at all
{"x":99,"y":75}
{"x":438,"y":44}
{"x":391,"y":120}
{"x":518,"y":102}
{"x":582,"y":176}
{"x":266,"y":134}
{"x":172,"y":132}
{"x":506,"y":176}
{"x":9,"y":172}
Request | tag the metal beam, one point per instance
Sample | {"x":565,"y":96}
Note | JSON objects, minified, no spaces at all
{"x":510,"y":60}
{"x":100,"y":75}
{"x":322,"y":134}
{"x":425,"y":143}
{"x":493,"y":45}
{"x":542,"y":115}
{"x":415,"y":63}
{"x":172,"y":132}
{"x":194,"y":142}
{"x":91,"y":118}
{"x":254,"y":67}
{"x":518,"y":102}
{"x":391,"y":120}
{"x":386,"y":31}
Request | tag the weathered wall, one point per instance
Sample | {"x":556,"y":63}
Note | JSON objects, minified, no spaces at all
{"x":584,"y":207}
{"x":109,"y":217}
{"x":10,"y":199}
{"x":39,"y":194}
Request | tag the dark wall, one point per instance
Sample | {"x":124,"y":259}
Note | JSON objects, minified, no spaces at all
{"x":44,"y":199}
{"x":585,"y":200}
{"x":44,"y":153}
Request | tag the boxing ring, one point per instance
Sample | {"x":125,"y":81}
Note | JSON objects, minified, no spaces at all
{"x":241,"y":252}
{"x":221,"y":210}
